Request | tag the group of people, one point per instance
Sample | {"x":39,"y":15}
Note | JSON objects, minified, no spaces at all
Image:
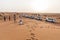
{"x":9,"y":17}
{"x":14,"y":18}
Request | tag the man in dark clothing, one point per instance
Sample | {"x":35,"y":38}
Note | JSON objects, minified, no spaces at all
{"x":9,"y":18}
{"x":4,"y":18}
{"x":14,"y":18}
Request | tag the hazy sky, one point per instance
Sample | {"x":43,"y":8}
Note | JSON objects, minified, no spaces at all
{"x":30,"y":6}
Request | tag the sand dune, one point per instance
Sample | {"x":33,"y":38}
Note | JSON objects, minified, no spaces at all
{"x":30,"y":30}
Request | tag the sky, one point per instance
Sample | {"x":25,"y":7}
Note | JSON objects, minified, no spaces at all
{"x":44,"y":6}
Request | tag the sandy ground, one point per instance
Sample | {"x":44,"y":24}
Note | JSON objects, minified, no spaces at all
{"x":31,"y":30}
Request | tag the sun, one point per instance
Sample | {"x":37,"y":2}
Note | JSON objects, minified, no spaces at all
{"x":39,"y":5}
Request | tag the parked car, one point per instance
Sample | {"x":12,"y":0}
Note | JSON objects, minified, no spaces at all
{"x":32,"y":17}
{"x":50,"y":20}
{"x":27,"y":16}
{"x":38,"y":18}
{"x":23,"y":15}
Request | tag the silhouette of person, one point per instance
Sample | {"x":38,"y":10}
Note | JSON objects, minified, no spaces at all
{"x":14,"y":18}
{"x":4,"y":18}
{"x":9,"y":18}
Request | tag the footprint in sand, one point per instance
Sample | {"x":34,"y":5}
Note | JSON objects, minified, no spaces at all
{"x":33,"y":38}
{"x":30,"y":30}
{"x":28,"y":39}
{"x":32,"y":34}
{"x":41,"y":27}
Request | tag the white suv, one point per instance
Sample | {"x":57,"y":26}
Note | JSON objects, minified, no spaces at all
{"x":38,"y":18}
{"x":50,"y":20}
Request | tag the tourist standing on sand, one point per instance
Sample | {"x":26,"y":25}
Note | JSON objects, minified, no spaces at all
{"x":14,"y":18}
{"x":9,"y":18}
{"x":4,"y":18}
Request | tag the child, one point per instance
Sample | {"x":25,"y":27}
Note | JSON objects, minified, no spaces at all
{"x":20,"y":22}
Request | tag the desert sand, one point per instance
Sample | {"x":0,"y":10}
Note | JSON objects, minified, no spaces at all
{"x":30,"y":30}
